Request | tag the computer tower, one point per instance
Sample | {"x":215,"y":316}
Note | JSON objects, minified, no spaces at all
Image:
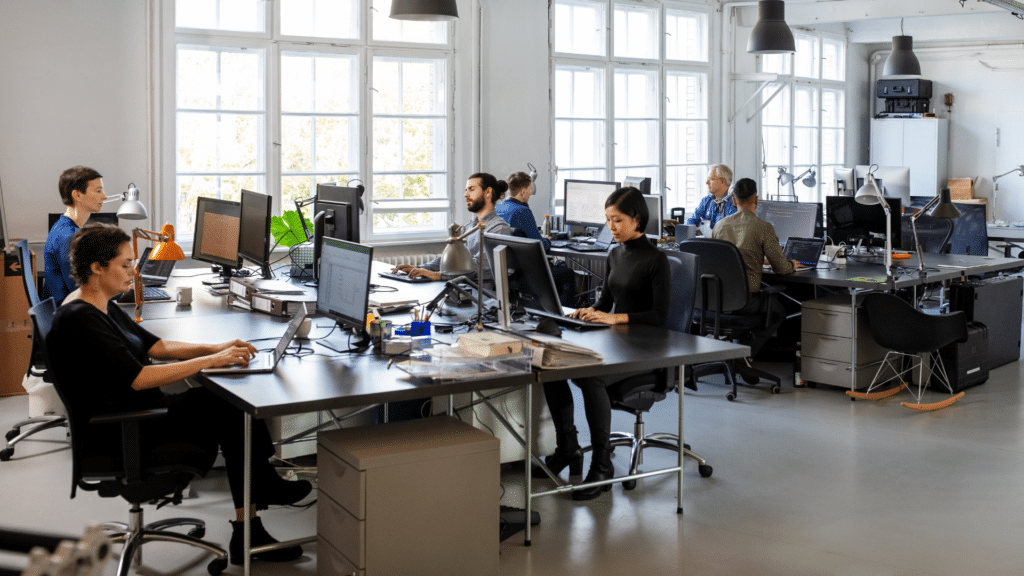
{"x":996,"y":303}
{"x":966,"y":362}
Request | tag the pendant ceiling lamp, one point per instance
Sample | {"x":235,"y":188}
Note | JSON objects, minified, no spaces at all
{"x":902,"y":61}
{"x":771,"y":34}
{"x":424,"y":10}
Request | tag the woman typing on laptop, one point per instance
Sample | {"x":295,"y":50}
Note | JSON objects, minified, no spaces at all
{"x":102,"y":349}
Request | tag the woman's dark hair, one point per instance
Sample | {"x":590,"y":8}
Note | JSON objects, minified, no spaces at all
{"x":498,"y":187}
{"x":630,"y":202}
{"x":76,"y":178}
{"x":517,"y":182}
{"x":99,"y":243}
{"x":743,"y":189}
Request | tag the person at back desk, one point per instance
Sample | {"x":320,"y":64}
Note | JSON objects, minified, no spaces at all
{"x":718,"y":203}
{"x":636,"y":291}
{"x":482,"y":192}
{"x":758,"y":243}
{"x":81,"y":190}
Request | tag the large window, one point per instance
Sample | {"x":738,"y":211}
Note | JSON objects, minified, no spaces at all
{"x":803,"y":125}
{"x":280,"y":96}
{"x":630,"y":94}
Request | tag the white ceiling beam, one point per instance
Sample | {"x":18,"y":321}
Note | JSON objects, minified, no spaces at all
{"x":814,"y":12}
{"x":995,"y":27}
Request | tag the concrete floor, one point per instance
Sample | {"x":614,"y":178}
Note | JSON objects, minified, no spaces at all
{"x":805,"y":482}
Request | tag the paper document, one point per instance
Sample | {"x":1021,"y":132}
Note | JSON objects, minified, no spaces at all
{"x":550,"y":352}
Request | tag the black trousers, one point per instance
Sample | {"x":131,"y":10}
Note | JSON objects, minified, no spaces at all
{"x":762,"y":304}
{"x":597,"y":407}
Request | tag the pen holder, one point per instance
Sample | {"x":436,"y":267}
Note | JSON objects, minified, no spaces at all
{"x":415,"y":329}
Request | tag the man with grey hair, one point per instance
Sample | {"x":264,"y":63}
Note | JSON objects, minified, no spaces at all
{"x":718,"y":203}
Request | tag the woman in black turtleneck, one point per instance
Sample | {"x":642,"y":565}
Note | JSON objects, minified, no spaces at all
{"x":636,"y":291}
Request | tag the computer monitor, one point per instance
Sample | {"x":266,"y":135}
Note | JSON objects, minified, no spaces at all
{"x":216,"y":235}
{"x":335,"y":215}
{"x":530,"y":283}
{"x":641,"y":183}
{"x":344,"y":287}
{"x":254,"y":233}
{"x":584,"y":201}
{"x":791,"y":219}
{"x":654,"y":210}
{"x":844,"y":181}
{"x":849,"y":222}
{"x":101,"y":217}
{"x":895,"y":181}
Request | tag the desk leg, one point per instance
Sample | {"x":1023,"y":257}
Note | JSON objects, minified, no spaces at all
{"x":680,"y":389}
{"x":247,"y":495}
{"x":853,"y":340}
{"x":528,"y":462}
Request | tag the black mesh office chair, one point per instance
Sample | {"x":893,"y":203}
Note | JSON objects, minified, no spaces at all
{"x":933,"y":233}
{"x":124,"y":470}
{"x":638,"y":394}
{"x":721,"y":294}
{"x":36,"y":367}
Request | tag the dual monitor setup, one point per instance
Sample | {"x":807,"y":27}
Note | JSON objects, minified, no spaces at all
{"x":584,"y":203}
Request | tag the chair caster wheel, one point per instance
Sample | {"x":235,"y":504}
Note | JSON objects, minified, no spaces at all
{"x":217,"y":566}
{"x":852,"y":399}
{"x":629,"y":485}
{"x":730,"y":396}
{"x":705,"y":470}
{"x":812,"y":384}
{"x":6,"y":454}
{"x":12,"y":433}
{"x":198,"y":532}
{"x":776,"y":389}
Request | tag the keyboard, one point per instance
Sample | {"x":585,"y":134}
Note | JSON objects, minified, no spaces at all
{"x":562,"y":320}
{"x":581,"y":247}
{"x":560,"y":243}
{"x":149,"y":294}
{"x":404,"y":278}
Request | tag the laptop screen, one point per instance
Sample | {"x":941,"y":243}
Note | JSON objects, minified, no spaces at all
{"x":804,"y":250}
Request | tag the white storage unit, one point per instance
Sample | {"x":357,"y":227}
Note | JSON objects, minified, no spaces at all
{"x":921,"y":144}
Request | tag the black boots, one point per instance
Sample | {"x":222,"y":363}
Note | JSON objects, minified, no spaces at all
{"x":567,"y":453}
{"x":258,"y":537}
{"x":600,"y":469}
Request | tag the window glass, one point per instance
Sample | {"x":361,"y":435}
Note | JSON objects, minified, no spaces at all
{"x":636,"y":31}
{"x":320,"y":18}
{"x":806,"y":57}
{"x":686,"y":35}
{"x":228,"y":15}
{"x":833,"y":60}
{"x":580,"y":27}
{"x":390,"y":30}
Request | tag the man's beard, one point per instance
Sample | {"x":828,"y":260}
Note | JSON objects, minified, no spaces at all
{"x":477,"y":205}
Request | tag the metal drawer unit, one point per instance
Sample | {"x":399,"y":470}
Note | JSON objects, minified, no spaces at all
{"x":417,"y":497}
{"x":826,"y":344}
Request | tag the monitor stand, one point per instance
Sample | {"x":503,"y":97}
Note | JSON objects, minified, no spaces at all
{"x":226,"y":272}
{"x":344,"y":343}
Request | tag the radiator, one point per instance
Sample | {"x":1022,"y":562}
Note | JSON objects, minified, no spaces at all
{"x":414,"y":259}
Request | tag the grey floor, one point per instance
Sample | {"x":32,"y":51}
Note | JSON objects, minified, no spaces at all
{"x":805,"y":482}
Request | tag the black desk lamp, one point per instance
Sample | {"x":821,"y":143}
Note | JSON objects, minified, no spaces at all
{"x":941,"y":207}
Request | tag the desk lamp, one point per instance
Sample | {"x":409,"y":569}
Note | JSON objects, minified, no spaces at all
{"x":810,"y":181}
{"x":995,"y":187}
{"x":131,"y":208}
{"x":943,"y":208}
{"x":869,"y":194}
{"x":456,"y":263}
{"x":166,"y":249}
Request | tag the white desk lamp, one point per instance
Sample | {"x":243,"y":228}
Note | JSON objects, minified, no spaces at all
{"x":786,"y":178}
{"x":131,"y":209}
{"x":456,"y":263}
{"x":995,"y":187}
{"x":869,"y":194}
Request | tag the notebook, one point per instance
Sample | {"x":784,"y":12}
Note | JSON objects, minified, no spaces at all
{"x":264,"y":362}
{"x":804,"y":250}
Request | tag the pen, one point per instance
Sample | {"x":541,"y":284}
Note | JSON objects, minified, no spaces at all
{"x":390,"y":362}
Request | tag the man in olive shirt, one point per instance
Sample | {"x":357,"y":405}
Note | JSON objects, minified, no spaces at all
{"x":757,"y":242}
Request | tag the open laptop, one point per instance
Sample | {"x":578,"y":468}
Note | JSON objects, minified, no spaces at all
{"x":602,"y":244}
{"x":154,"y":272}
{"x":265,"y":362}
{"x":806,"y":251}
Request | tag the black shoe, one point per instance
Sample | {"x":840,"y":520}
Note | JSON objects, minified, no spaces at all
{"x":559,"y":460}
{"x":281,"y":492}
{"x":258,"y":537}
{"x":600,"y":469}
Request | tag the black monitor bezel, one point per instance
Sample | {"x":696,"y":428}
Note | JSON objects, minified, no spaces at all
{"x":250,"y":197}
{"x":536,"y":268}
{"x":819,"y":224}
{"x":565,"y":200}
{"x":895,"y":212}
{"x":224,"y":262}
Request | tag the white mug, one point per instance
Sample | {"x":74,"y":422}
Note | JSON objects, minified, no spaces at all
{"x":184,"y":296}
{"x":304,"y":328}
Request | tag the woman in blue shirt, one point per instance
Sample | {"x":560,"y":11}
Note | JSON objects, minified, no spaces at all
{"x":81,"y":190}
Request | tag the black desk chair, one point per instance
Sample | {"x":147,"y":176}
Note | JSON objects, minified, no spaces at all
{"x":907,"y":332}
{"x":722,"y":295}
{"x":36,"y":366}
{"x":638,"y":394}
{"x":163,"y":470}
{"x":934,"y":234}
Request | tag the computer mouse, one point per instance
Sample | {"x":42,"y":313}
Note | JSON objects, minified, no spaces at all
{"x":549,"y":327}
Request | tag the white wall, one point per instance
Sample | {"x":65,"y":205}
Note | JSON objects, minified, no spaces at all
{"x":73,"y":90}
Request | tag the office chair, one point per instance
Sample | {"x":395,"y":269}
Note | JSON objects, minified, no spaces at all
{"x":933,"y":233}
{"x":907,"y":332}
{"x":43,"y":393}
{"x":638,"y":394}
{"x":164,"y":469}
{"x":722,"y":295}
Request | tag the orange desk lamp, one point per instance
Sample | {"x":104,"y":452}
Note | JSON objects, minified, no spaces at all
{"x":166,"y":249}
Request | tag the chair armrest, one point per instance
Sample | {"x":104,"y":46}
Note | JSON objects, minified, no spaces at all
{"x":125,"y":416}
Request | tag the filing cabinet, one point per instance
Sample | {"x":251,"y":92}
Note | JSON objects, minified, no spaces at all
{"x":416,"y":497}
{"x":825,"y":350}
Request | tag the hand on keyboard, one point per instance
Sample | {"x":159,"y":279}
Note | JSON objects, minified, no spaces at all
{"x":591,"y":315}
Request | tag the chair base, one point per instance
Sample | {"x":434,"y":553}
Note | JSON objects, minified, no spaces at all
{"x":37,"y":424}
{"x":902,"y":365}
{"x":135,"y":534}
{"x":747,"y":373}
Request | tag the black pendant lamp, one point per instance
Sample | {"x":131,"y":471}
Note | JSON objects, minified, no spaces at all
{"x":424,"y":10}
{"x":902,"y":61}
{"x":771,"y":34}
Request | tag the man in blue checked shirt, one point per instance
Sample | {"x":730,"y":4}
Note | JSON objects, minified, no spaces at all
{"x":718,"y":204}
{"x":516,"y":210}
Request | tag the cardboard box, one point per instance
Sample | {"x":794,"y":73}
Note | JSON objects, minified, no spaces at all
{"x":15,"y":328}
{"x":961,"y":188}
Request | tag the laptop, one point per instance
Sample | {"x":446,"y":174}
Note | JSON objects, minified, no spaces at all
{"x":265,"y":362}
{"x":806,"y":251}
{"x":154,"y":272}
{"x":602,"y":244}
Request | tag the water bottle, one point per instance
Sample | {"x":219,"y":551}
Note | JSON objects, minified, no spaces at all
{"x":547,"y":225}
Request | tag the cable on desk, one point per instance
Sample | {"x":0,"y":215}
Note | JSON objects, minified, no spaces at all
{"x":375,"y":288}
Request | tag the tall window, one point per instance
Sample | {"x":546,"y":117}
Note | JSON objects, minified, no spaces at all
{"x":280,"y":96}
{"x":630,"y":94}
{"x":803,"y":126}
